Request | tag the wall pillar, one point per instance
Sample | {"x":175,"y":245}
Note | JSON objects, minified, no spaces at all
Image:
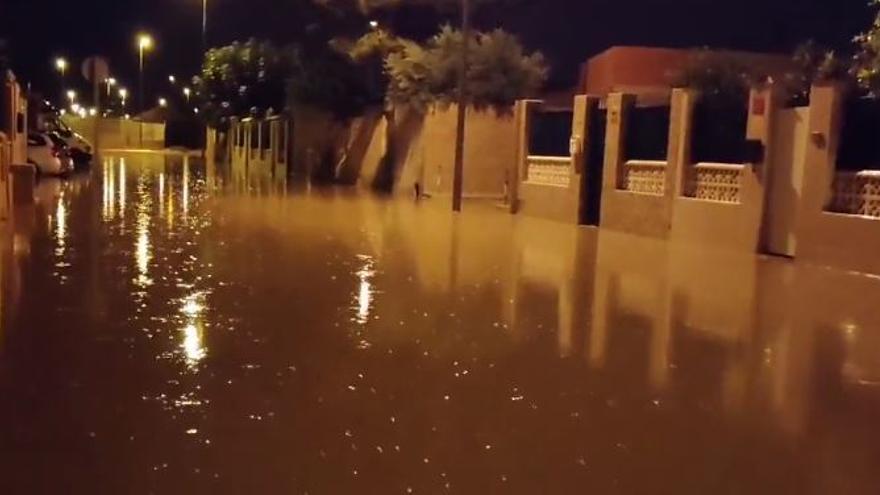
{"x":518,"y":171}
{"x":680,"y":136}
{"x":825,"y":126}
{"x":619,"y":105}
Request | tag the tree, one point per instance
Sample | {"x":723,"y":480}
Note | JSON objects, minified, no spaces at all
{"x":499,"y":72}
{"x":331,"y":81}
{"x":867,"y":59}
{"x":813,"y":64}
{"x":240,"y":78}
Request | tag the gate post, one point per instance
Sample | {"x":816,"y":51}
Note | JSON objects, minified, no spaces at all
{"x":680,"y":136}
{"x":517,"y":171}
{"x":619,"y":105}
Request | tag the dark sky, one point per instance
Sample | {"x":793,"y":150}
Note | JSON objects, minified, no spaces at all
{"x":567,"y":31}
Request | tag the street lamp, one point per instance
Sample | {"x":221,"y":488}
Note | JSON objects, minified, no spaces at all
{"x":374,"y":24}
{"x":61,"y":65}
{"x":172,"y":79}
{"x":204,"y":25}
{"x":71,"y":95}
{"x":187,"y":92}
{"x":123,"y":95}
{"x":110,"y":82}
{"x":163,"y":102}
{"x":145,"y":42}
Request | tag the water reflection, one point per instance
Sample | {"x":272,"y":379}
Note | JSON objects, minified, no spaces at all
{"x":193,"y":346}
{"x":364,"y":296}
{"x":505,"y":355}
{"x":142,"y":247}
{"x":60,"y":226}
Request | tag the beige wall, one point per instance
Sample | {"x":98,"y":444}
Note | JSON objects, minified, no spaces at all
{"x":633,"y":212}
{"x":120,"y":133}
{"x":422,"y":149}
{"x":785,"y":180}
{"x":848,"y":241}
{"x":551,"y":202}
{"x":490,"y":152}
{"x":736,"y":226}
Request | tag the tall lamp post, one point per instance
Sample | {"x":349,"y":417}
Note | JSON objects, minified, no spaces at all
{"x":61,"y":67}
{"x":458,"y":169}
{"x":204,"y":25}
{"x":145,"y":42}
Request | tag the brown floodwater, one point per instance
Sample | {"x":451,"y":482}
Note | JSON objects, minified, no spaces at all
{"x":172,"y":328}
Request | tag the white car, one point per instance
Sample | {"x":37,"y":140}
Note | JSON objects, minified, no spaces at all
{"x":80,"y":148}
{"x":47,"y":157}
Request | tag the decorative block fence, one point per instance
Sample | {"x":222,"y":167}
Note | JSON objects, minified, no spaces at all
{"x":856,"y":193}
{"x":548,"y":170}
{"x":719,"y":182}
{"x":644,"y":177}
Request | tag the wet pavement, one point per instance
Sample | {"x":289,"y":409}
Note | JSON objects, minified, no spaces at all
{"x":170,"y":328}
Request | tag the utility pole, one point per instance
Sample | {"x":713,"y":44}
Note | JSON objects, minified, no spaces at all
{"x":458,"y":171}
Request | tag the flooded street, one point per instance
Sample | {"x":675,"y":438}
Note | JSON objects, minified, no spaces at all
{"x":170,"y":328}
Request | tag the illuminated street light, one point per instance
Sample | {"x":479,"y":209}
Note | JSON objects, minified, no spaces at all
{"x":71,"y":95}
{"x":187,"y":92}
{"x":61,"y":65}
{"x":144,"y":42}
{"x":123,"y":95}
{"x":110,"y":82}
{"x":163,"y":102}
{"x":374,"y":24}
{"x":172,"y":79}
{"x":93,"y":111}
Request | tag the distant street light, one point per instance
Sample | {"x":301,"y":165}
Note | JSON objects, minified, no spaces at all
{"x":187,"y":92}
{"x":61,"y":65}
{"x":163,"y":102}
{"x":110,"y":82}
{"x":374,"y":24}
{"x":145,"y":42}
{"x":71,"y":95}
{"x":123,"y":95}
{"x":172,"y":79}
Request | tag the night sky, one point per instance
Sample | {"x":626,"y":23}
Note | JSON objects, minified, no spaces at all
{"x":567,"y":31}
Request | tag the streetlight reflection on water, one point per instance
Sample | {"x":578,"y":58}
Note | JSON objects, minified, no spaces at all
{"x":364,"y":297}
{"x":142,"y":246}
{"x":193,"y":346}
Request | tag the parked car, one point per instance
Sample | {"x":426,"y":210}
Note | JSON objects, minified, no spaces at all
{"x":80,"y":148}
{"x":63,"y":150}
{"x":46,"y":156}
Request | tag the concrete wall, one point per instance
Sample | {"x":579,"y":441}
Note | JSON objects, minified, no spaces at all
{"x":490,"y":152}
{"x":736,"y":226}
{"x":638,"y":212}
{"x":120,"y":133}
{"x":406,"y":147}
{"x":848,"y":241}
{"x":553,"y":202}
{"x":785,"y":179}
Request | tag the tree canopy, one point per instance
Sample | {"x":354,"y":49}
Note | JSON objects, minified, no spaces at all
{"x":256,"y":77}
{"x":499,"y":70}
{"x":240,"y":78}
